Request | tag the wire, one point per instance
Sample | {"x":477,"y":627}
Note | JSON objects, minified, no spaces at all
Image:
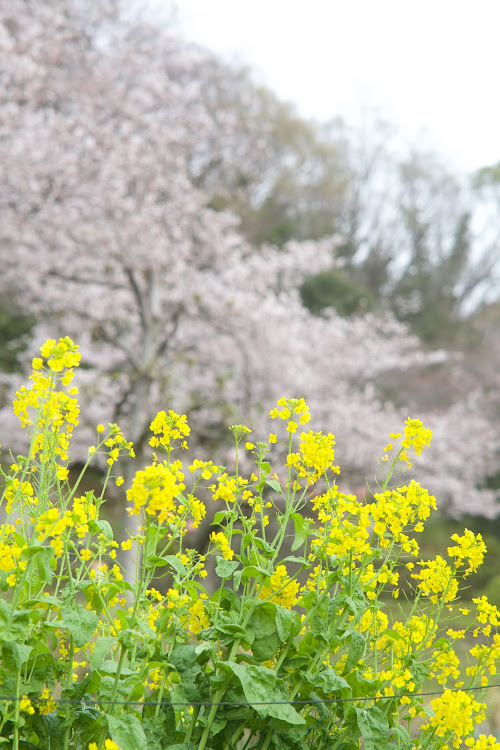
{"x":209,"y":704}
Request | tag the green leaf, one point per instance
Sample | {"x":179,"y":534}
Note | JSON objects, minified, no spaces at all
{"x":439,"y":643}
{"x":43,"y":556}
{"x":222,"y":515}
{"x":263,"y":619}
{"x":127,"y":732}
{"x":110,"y":667}
{"x":356,"y":651}
{"x":14,"y":655}
{"x":225,"y":568}
{"x":13,"y":627}
{"x":105,"y":529}
{"x":265,"y":648}
{"x":401,"y":732}
{"x":374,"y":727}
{"x":176,"y":564}
{"x":283,"y":623}
{"x":229,"y":628}
{"x":275,"y":485}
{"x":154,"y":561}
{"x":81,"y":623}
{"x":253,"y":571}
{"x":50,"y":730}
{"x":258,"y":685}
{"x":183,"y":656}
{"x":301,"y":526}
{"x":257,"y":682}
{"x":102,"y":647}
{"x":329,"y":681}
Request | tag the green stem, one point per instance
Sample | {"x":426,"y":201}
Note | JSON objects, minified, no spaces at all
{"x":218,"y":696}
{"x":192,"y":724}
{"x":69,"y":685}
{"x":15,"y":741}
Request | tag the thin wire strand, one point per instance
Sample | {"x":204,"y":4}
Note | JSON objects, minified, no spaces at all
{"x":293,"y":702}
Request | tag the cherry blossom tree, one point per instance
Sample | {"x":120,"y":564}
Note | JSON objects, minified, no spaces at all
{"x":108,"y":236}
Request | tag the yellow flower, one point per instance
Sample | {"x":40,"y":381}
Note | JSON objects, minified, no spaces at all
{"x":281,"y":590}
{"x":170,"y":427}
{"x":455,"y":713}
{"x":416,"y":436}
{"x":62,"y":473}
{"x":220,"y":540}
{"x":469,"y":548}
{"x":155,"y":490}
{"x":25,"y":705}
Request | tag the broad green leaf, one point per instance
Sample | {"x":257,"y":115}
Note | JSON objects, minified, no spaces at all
{"x":18,"y":623}
{"x":258,"y":685}
{"x":301,"y":526}
{"x":28,"y":553}
{"x":102,"y":647}
{"x":283,"y":623}
{"x":106,"y":529}
{"x":127,"y":732}
{"x":176,"y":564}
{"x":275,"y":485}
{"x":110,"y":667}
{"x":229,"y":628}
{"x":374,"y":728}
{"x":81,"y":623}
{"x":225,"y":568}
{"x":14,"y":655}
{"x":183,"y":656}
{"x":223,"y":515}
{"x":265,"y":648}
{"x":257,"y":682}
{"x":329,"y":681}
{"x":50,"y":730}
{"x":43,"y":556}
{"x":154,"y":561}
{"x":263,"y":619}
{"x":253,"y":571}
{"x":356,"y":651}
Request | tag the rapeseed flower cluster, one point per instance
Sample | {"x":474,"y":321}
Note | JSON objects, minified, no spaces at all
{"x":198,"y":619}
{"x":455,"y":715}
{"x":394,"y":510}
{"x":437,"y":580}
{"x":469,"y":549}
{"x":220,"y":540}
{"x":329,"y":634}
{"x":416,"y":436}
{"x":169,"y":427}
{"x":155,"y":489}
{"x":291,"y":408}
{"x":282,"y":589}
{"x":56,"y":413}
{"x":11,"y":548}
{"x":315,"y":457}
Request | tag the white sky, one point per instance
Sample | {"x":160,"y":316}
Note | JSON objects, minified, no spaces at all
{"x":431,"y":67}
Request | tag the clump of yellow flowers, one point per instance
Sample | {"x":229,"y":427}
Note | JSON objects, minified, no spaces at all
{"x":275,"y":635}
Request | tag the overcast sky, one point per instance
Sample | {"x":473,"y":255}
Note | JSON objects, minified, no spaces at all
{"x":431,"y":67}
